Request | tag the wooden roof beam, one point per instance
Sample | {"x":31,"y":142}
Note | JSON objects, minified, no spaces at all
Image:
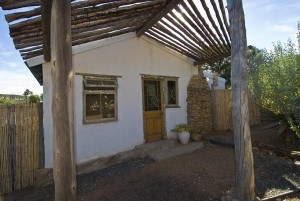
{"x":15,"y":4}
{"x":46,"y":7}
{"x":157,"y":17}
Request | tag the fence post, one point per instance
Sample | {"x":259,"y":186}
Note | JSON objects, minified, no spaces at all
{"x":213,"y":107}
{"x":11,"y":118}
{"x":41,"y":137}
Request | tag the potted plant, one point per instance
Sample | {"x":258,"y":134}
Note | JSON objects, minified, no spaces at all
{"x":183,"y":132}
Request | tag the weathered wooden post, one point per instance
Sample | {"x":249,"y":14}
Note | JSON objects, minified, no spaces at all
{"x":241,"y":128}
{"x":62,"y":101}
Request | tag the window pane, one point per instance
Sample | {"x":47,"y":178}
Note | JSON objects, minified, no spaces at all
{"x":93,"y":107}
{"x":100,"y":99}
{"x":152,"y":95}
{"x":92,"y":82}
{"x":108,"y":105}
{"x":172,"y":93}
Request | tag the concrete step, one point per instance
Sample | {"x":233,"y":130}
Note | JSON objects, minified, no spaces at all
{"x":158,"y":145}
{"x":177,"y":150}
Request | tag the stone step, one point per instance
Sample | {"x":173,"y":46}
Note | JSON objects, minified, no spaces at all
{"x":177,"y":150}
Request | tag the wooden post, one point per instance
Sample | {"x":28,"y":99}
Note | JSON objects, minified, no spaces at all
{"x":213,"y":107}
{"x":62,"y":101}
{"x":41,"y":138}
{"x":241,"y":129}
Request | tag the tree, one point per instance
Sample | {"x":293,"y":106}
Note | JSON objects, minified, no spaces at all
{"x":26,"y":93}
{"x":276,"y":82}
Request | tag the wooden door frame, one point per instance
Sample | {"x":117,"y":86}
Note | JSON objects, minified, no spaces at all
{"x":154,"y":78}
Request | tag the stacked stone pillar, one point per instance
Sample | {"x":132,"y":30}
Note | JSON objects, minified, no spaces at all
{"x":199,"y":104}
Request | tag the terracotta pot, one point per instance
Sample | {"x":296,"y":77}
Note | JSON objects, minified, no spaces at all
{"x":184,"y":137}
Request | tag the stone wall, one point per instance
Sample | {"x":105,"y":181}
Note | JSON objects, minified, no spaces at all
{"x":199,"y":104}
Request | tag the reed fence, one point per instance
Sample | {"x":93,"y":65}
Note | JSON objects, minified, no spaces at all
{"x":20,"y":140}
{"x":222,"y":113}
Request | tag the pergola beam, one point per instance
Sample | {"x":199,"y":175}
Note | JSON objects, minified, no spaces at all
{"x":15,"y":4}
{"x":158,"y":17}
{"x":213,"y":59}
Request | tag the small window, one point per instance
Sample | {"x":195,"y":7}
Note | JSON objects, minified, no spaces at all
{"x":100,"y":99}
{"x":172,"y":93}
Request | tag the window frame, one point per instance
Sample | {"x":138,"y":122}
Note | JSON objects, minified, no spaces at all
{"x":100,"y":92}
{"x":176,"y":105}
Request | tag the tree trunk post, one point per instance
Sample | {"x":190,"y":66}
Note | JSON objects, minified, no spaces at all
{"x":62,"y":101}
{"x":241,"y":129}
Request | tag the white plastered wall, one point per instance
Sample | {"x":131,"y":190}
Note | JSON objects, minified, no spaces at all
{"x":129,"y":59}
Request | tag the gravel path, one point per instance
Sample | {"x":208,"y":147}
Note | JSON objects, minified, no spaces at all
{"x":201,"y":176}
{"x":274,"y":175}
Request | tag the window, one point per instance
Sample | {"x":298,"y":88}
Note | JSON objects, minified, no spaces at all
{"x":172,"y":92}
{"x":100,"y":99}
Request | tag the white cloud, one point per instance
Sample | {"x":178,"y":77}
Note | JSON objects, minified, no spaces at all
{"x":291,"y":20}
{"x":256,"y":3}
{"x":270,"y":7}
{"x":6,"y":53}
{"x":295,"y":5}
{"x":17,"y":83}
{"x":10,"y":64}
{"x":283,"y":28}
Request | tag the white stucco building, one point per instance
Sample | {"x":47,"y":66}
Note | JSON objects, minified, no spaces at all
{"x":131,"y":65}
{"x":209,"y":77}
{"x":118,"y":81}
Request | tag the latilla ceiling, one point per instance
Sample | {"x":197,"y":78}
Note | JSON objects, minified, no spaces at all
{"x":196,"y":28}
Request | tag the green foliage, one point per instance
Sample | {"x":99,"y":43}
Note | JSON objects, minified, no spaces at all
{"x":6,"y":101}
{"x":182,"y":127}
{"x":298,"y":36}
{"x":276,"y":81}
{"x":34,"y":98}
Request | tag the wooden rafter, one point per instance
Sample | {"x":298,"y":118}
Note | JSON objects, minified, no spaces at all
{"x":157,"y":17}
{"x":179,"y":24}
{"x":15,"y":4}
{"x":212,"y":59}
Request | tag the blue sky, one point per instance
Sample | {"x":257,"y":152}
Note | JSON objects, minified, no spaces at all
{"x":267,"y":21}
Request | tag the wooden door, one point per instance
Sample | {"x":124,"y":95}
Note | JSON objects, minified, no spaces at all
{"x":153,"y":110}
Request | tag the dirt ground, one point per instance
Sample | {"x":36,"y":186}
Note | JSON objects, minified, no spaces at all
{"x":200,"y":176}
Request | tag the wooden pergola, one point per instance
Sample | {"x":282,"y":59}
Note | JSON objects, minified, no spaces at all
{"x":198,"y":29}
{"x":179,"y":25}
